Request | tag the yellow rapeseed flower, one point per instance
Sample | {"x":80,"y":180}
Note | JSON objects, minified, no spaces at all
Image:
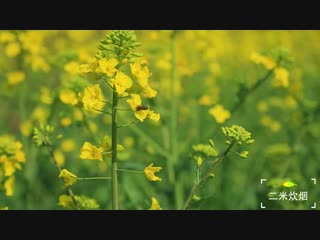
{"x":154,"y":116}
{"x":20,"y":155}
{"x":141,"y":112}
{"x":134,"y":103}
{"x":141,"y":72}
{"x":281,"y":78}
{"x":121,"y":82}
{"x":40,"y":114}
{"x":68,"y":177}
{"x":65,"y":201}
{"x":215,"y":68}
{"x":255,"y":57}
{"x":268,"y":62}
{"x":92,"y":98}
{"x":88,"y":68}
{"x":107,"y":67}
{"x":12,"y":49}
{"x":9,"y":186}
{"x":9,"y":167}
{"x":38,"y":63}
{"x":78,"y":115}
{"x":6,"y":36}
{"x":149,"y":171}
{"x":11,"y":157}
{"x":65,"y":121}
{"x":58,"y":155}
{"x":155,"y":204}
{"x":220,"y":113}
{"x":67,"y":96}
{"x":72,"y":67}
{"x":154,"y":35}
{"x":205,"y":100}
{"x":68,"y":145}
{"x":32,"y":41}
{"x":3,"y":158}
{"x":89,"y":151}
{"x":84,"y":68}
{"x":15,"y":77}
{"x":149,"y":92}
{"x":45,"y":96}
{"x":84,"y":55}
{"x":26,"y":127}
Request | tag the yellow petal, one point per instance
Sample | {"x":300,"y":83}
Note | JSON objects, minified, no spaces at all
{"x":88,"y":151}
{"x":149,"y":172}
{"x":9,"y":186}
{"x":155,"y":204}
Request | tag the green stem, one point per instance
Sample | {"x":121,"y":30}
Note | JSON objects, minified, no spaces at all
{"x":108,"y":83}
{"x":129,"y":171}
{"x":102,"y":77}
{"x":197,"y":186}
{"x":128,"y":124}
{"x":173,"y":122}
{"x":103,"y":111}
{"x":105,"y":101}
{"x":124,"y":109}
{"x":124,"y":97}
{"x":198,"y":175}
{"x":114,"y":173}
{"x":94,"y":178}
{"x":106,"y":152}
{"x":70,"y":192}
{"x":254,"y":87}
{"x":251,"y":90}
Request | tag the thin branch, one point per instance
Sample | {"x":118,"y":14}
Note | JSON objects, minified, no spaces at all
{"x":197,"y":186}
{"x":102,"y":111}
{"x":124,"y":109}
{"x":129,"y":171}
{"x":123,"y":97}
{"x":70,"y":192}
{"x":95,"y":178}
{"x":251,"y":90}
{"x":127,"y":124}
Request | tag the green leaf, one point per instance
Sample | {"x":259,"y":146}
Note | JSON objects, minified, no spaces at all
{"x":206,"y":149}
{"x":288,"y":184}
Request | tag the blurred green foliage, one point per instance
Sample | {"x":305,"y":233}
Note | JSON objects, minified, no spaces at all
{"x":211,"y":68}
